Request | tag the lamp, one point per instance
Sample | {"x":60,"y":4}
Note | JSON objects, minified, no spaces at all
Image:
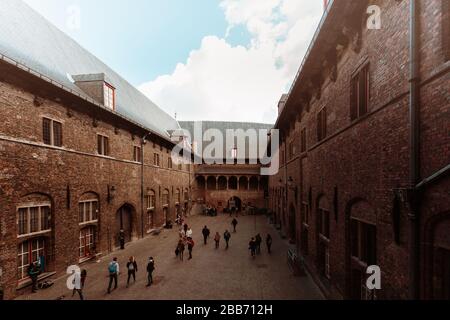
{"x":111,"y":193}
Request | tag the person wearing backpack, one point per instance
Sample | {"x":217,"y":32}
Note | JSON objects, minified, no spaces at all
{"x":227,"y":237}
{"x":150,"y":269}
{"x":132,"y":269}
{"x":113,"y":269}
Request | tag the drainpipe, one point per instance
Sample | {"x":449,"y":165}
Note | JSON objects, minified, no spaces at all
{"x":143,"y":142}
{"x":414,"y":166}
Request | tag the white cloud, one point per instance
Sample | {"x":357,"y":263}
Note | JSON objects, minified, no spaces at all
{"x":235,"y":83}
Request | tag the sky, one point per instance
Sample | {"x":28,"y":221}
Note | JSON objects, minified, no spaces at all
{"x":223,"y":60}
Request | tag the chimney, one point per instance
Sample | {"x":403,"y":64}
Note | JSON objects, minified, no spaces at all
{"x":325,"y":5}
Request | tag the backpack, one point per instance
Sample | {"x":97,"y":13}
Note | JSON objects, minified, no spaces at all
{"x":112,"y":267}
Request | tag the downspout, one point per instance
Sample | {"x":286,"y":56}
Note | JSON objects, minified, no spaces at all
{"x":414,"y":165}
{"x":143,"y":142}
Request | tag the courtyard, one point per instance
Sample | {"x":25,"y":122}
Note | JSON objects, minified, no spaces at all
{"x":211,"y":275}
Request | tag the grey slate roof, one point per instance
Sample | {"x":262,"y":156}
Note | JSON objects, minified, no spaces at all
{"x":28,"y":38}
{"x":223,"y":127}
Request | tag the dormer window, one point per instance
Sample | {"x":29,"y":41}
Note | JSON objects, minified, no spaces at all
{"x":109,"y":96}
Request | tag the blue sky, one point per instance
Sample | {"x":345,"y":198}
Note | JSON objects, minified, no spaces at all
{"x":228,"y":60}
{"x":161,"y":33}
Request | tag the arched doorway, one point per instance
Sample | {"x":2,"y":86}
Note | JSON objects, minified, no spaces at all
{"x":235,"y":202}
{"x":124,"y":221}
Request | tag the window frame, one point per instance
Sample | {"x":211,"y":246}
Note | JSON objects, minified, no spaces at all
{"x":22,"y":268}
{"x":109,"y":96}
{"x":92,"y":214}
{"x":361,"y":76}
{"x":137,"y":154}
{"x":39,"y":219}
{"x":53,"y":137}
{"x":103,"y":146}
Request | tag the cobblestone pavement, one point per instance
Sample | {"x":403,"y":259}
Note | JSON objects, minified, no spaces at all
{"x":211,"y":275}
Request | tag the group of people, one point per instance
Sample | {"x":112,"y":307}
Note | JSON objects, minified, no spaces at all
{"x":132,"y":269}
{"x":210,"y":211}
{"x":255,"y":245}
{"x":185,"y":241}
{"x":206,"y":234}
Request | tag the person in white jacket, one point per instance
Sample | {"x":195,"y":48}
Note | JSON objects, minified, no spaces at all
{"x":78,"y":287}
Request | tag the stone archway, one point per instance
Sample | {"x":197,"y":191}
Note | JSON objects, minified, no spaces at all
{"x":235,"y":202}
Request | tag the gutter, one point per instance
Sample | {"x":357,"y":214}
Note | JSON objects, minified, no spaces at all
{"x":414,"y":165}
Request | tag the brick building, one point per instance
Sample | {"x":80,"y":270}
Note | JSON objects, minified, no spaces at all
{"x":218,"y":181}
{"x":83,"y":155}
{"x":366,"y":151}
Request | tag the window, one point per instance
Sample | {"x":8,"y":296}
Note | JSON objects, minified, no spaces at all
{"x":305,"y":214}
{"x":137,"y":154}
{"x":156,"y":161}
{"x":324,"y":223}
{"x":292,"y":149}
{"x":322,"y":124}
{"x":29,"y":252}
{"x":169,"y":163}
{"x":87,"y":242}
{"x":88,"y":211}
{"x":364,"y":242}
{"x":52,"y":132}
{"x":165,"y":198}
{"x":178,"y":196}
{"x":102,"y":145}
{"x":151,"y":200}
{"x":34,"y":219}
{"x":109,"y":96}
{"x":303,"y":140}
{"x":359,"y":94}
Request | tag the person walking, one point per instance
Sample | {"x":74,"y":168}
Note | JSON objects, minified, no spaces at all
{"x":122,"y":239}
{"x":33,"y":273}
{"x":227,"y":237}
{"x":181,"y":248}
{"x":190,"y":245}
{"x":217,"y":240}
{"x":150,"y":269}
{"x":206,"y":234}
{"x":113,"y":269}
{"x":269,"y":243}
{"x":258,"y":241}
{"x":252,"y":247}
{"x":132,"y":269}
{"x":234,"y":223}
{"x":78,"y":283}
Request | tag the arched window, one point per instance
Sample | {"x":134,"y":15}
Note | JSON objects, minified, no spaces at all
{"x":151,"y":200}
{"x":222,"y":183}
{"x":88,"y":208}
{"x":233,"y":183}
{"x":211,"y":183}
{"x":254,"y":183}
{"x":178,"y":196}
{"x":165,"y":198}
{"x":243,"y":183}
{"x":200,"y":182}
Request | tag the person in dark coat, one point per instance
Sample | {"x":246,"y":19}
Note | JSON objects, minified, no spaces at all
{"x":206,"y":234}
{"x":132,"y":269}
{"x":258,"y":241}
{"x":33,"y":272}
{"x":150,"y":269}
{"x":252,"y":247}
{"x":269,"y":243}
{"x":234,"y":223}
{"x":227,"y":237}
{"x":190,"y":245}
{"x":122,"y":239}
{"x":181,"y":248}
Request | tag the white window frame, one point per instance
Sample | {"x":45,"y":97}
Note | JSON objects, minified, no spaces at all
{"x":52,"y":132}
{"x":150,"y":196}
{"x":28,"y":228}
{"x":103,"y":152}
{"x":91,"y":212}
{"x":109,"y":96}
{"x":82,"y":246}
{"x":23,"y":268}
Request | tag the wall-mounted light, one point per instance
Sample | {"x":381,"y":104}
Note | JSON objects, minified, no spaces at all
{"x":111,"y":193}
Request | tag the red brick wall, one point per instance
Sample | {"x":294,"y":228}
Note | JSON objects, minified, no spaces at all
{"x":27,"y":166}
{"x":367,"y":159}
